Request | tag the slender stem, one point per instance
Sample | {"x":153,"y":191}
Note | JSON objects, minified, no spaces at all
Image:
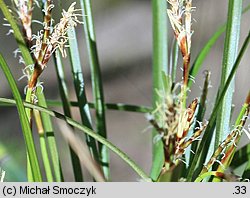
{"x":229,"y":57}
{"x":207,"y":174}
{"x":50,"y":135}
{"x":29,"y":61}
{"x":48,"y":127}
{"x":88,"y":131}
{"x":43,"y":146}
{"x":215,"y":109}
{"x":160,"y":61}
{"x":29,"y":141}
{"x":96,"y":83}
{"x":108,"y":106}
{"x":79,"y":84}
{"x":66,"y":108}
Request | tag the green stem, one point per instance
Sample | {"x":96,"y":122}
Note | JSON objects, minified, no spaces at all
{"x":80,"y":90}
{"x":66,"y":108}
{"x":160,"y":61}
{"x":207,"y":174}
{"x":88,"y":131}
{"x":108,"y":106}
{"x":45,"y":158}
{"x":43,"y":146}
{"x":96,"y":83}
{"x":229,"y":57}
{"x":50,"y":135}
{"x":29,"y":61}
{"x":30,"y":145}
{"x":207,"y":48}
{"x":215,"y":109}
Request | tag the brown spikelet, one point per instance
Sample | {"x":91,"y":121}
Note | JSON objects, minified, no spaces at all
{"x":173,"y":128}
{"x":182,"y":31}
{"x":24,"y":11}
{"x":52,"y":39}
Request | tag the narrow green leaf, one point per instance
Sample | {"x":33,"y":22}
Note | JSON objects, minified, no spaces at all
{"x":229,"y":57}
{"x":160,"y":61}
{"x":97,"y":86}
{"x":45,"y":157}
{"x":50,"y":135}
{"x":81,"y":98}
{"x":66,"y":108}
{"x":204,"y":53}
{"x":41,"y":100}
{"x":108,"y":106}
{"x":213,"y":116}
{"x":207,"y":48}
{"x":43,"y":146}
{"x":63,"y":90}
{"x":88,"y":131}
{"x":24,"y":122}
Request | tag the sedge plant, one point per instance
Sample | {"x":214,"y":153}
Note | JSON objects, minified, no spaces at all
{"x":182,"y":139}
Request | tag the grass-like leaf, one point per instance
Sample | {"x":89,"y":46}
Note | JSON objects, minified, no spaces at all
{"x":88,"y":131}
{"x":24,"y":122}
{"x":160,"y":61}
{"x":50,"y":136}
{"x":43,"y":146}
{"x":108,"y":106}
{"x":229,"y":57}
{"x":63,"y":93}
{"x":213,"y":116}
{"x":207,"y":48}
{"x":204,"y":53}
{"x":97,"y":86}
{"x":41,"y":99}
{"x":80,"y":93}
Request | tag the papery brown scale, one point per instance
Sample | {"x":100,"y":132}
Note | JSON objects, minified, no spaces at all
{"x":228,"y":154}
{"x":186,"y":63}
{"x":183,"y":45}
{"x":192,"y":107}
{"x":185,"y":144}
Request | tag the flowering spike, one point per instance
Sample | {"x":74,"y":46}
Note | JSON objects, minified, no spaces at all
{"x":48,"y":40}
